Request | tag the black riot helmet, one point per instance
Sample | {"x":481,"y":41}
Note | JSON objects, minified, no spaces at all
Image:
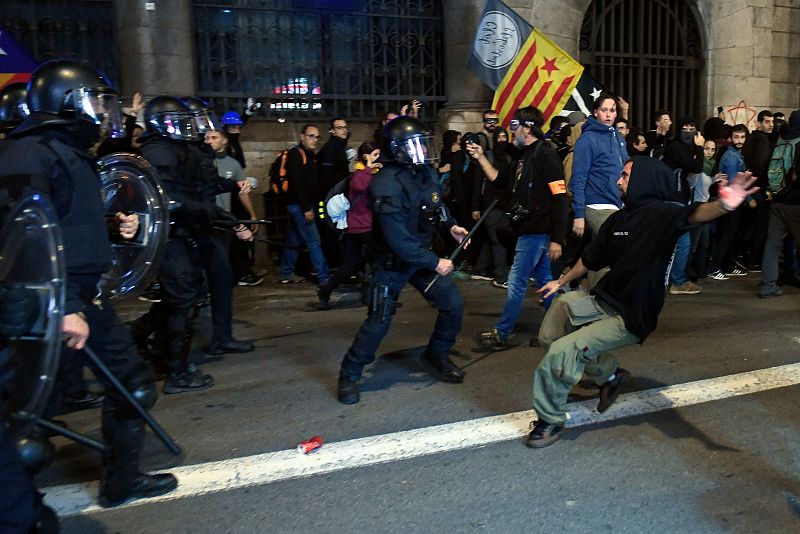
{"x":66,"y":92}
{"x":168,"y":116}
{"x":13,"y":107}
{"x":408,"y":140}
{"x":205,"y":120}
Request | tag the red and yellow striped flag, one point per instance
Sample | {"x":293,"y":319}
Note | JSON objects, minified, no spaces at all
{"x":542,"y":75}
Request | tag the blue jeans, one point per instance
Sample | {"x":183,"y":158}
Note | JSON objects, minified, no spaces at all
{"x":531,"y":258}
{"x":678,"y":273}
{"x":302,"y":231}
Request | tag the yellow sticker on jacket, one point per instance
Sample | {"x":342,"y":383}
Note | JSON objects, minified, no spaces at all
{"x":558,"y":187}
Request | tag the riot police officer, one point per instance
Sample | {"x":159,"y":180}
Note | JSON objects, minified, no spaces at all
{"x":69,"y":103}
{"x":190,"y":179}
{"x":408,"y":207}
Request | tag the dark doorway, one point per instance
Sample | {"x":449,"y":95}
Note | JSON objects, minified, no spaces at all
{"x":649,"y":52}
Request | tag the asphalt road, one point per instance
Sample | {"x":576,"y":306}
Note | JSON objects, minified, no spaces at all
{"x":729,"y":465}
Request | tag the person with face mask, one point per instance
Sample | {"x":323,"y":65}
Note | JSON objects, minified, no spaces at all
{"x":684,"y":156}
{"x":70,"y":104}
{"x":538,"y":210}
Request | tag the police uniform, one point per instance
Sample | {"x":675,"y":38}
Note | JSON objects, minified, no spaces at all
{"x":49,"y":160}
{"x":190,"y":179}
{"x":408,"y":208}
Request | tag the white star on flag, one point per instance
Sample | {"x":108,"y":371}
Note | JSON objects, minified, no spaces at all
{"x":595,"y":92}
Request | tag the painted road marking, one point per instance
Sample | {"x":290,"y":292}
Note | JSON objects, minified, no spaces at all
{"x":260,"y":469}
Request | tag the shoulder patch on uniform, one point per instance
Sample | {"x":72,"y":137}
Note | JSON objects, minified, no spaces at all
{"x":557,"y":187}
{"x":435,"y":196}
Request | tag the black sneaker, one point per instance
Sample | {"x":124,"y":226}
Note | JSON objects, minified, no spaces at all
{"x":229,"y":346}
{"x":610,"y":390}
{"x":250,"y":280}
{"x":347,"y":391}
{"x":491,"y":340}
{"x":151,"y":295}
{"x":324,"y":295}
{"x":543,"y":434}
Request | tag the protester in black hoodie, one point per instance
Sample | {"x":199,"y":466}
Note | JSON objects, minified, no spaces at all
{"x":637,"y":243}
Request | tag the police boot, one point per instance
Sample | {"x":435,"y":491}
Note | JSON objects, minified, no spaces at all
{"x":347,"y":390}
{"x":184,"y":376}
{"x":448,"y":371}
{"x":122,"y":479}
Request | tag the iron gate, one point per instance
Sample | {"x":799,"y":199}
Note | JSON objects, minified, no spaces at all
{"x":320,"y":58}
{"x":648,"y":52}
{"x":81,"y":30}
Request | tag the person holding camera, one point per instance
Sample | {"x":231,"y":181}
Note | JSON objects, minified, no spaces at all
{"x":538,"y":214}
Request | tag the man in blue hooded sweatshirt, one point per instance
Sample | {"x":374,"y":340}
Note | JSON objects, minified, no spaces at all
{"x":637,"y":243}
{"x":599,"y":156}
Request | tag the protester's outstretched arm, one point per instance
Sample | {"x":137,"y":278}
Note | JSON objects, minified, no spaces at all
{"x":730,"y":197}
{"x":476,"y":152}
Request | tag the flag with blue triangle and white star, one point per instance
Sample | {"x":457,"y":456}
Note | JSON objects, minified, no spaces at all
{"x":15,"y":63}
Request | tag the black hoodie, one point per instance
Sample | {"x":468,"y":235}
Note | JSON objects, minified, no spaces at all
{"x":638,"y":242}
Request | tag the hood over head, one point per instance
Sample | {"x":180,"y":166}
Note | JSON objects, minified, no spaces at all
{"x":650,"y":181}
{"x":792,"y":130}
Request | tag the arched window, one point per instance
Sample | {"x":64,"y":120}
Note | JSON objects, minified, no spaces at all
{"x":320,"y":58}
{"x":648,"y":52}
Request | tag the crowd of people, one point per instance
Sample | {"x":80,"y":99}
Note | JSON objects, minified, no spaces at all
{"x":595,"y":213}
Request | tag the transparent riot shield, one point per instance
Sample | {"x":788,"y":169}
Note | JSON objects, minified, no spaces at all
{"x":131,"y":185}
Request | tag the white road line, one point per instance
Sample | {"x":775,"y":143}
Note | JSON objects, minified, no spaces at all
{"x":211,"y":477}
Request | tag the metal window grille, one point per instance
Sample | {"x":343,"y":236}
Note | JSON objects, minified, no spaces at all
{"x":80,"y":30}
{"x":320,"y":58}
{"x":650,"y":53}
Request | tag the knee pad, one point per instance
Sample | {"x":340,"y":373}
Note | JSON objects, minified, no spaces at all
{"x":146,"y":395}
{"x":140,"y":384}
{"x":36,"y":452}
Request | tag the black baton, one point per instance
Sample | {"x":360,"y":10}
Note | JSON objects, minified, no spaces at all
{"x":464,"y":241}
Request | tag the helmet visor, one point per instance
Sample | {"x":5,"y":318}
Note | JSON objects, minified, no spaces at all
{"x":103,"y":109}
{"x":175,"y":125}
{"x":205,"y":121}
{"x":416,"y":150}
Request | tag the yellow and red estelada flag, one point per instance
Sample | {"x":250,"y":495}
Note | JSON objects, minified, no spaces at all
{"x":542,"y":75}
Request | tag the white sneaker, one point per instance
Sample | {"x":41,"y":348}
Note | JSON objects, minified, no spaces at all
{"x":718,"y":275}
{"x":736,"y":272}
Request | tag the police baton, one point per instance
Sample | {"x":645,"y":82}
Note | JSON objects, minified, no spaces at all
{"x":242,"y":221}
{"x":464,"y":241}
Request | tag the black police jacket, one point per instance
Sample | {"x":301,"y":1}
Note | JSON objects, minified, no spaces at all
{"x":189,"y":177}
{"x":408,"y":206}
{"x":49,"y":161}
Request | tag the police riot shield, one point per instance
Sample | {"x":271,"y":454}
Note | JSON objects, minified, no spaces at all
{"x":130,"y":185}
{"x":32,"y":272}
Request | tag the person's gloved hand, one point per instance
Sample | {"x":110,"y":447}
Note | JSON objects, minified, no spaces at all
{"x":19,"y":309}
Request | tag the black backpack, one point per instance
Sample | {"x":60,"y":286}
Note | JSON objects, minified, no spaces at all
{"x":278,"y":183}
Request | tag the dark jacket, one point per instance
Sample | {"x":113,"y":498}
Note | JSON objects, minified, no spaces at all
{"x":687,"y":158}
{"x":541,"y":189}
{"x":792,"y":131}
{"x":332,"y":164}
{"x":638,"y":242}
{"x":303,"y":178}
{"x":757,"y":151}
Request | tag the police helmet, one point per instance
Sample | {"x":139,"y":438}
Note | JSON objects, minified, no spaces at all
{"x":231,"y":118}
{"x":408,"y":140}
{"x":168,"y":116}
{"x":13,"y":107}
{"x":205,"y":120}
{"x":63,"y":91}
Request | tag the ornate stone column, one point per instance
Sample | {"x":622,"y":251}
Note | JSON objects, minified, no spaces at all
{"x":467,"y":96}
{"x":156,"y":44}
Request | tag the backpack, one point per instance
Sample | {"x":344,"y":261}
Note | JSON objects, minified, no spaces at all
{"x":782,"y":166}
{"x":278,"y":182}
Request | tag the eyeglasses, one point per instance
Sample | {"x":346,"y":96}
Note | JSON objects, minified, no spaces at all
{"x":312,"y":136}
{"x":491,"y":121}
{"x":514,"y":124}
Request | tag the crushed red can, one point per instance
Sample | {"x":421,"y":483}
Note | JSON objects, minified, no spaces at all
{"x":310,"y":445}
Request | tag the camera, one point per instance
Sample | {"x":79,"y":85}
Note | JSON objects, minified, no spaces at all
{"x":518,"y":212}
{"x":471,"y":139}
